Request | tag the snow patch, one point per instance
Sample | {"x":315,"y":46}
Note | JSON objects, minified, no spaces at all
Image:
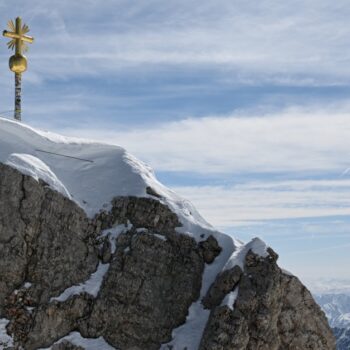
{"x":230,"y":298}
{"x":141,"y":230}
{"x":30,"y":309}
{"x":34,"y":167}
{"x":87,"y":343}
{"x":234,"y":252}
{"x":5,"y":339}
{"x":163,"y":238}
{"x":91,"y":286}
{"x":286,"y":272}
{"x":114,"y":232}
{"x":27,"y":285}
{"x":91,"y":173}
{"x":256,"y":245}
{"x":189,"y":334}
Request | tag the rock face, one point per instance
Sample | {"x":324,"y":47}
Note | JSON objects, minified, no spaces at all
{"x":44,"y":239}
{"x":272,"y":311}
{"x":65,"y":345}
{"x":147,"y":292}
{"x":152,"y":275}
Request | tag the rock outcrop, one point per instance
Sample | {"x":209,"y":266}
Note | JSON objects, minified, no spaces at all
{"x":272,"y":310}
{"x":149,"y":275}
{"x":45,"y":238}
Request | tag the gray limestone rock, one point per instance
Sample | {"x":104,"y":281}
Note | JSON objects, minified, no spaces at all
{"x":66,"y":345}
{"x":141,"y":213}
{"x":225,"y":282}
{"x":273,"y":311}
{"x":47,"y":244}
{"x":147,"y":292}
{"x":56,"y":320}
{"x":46,"y":241}
{"x":210,"y":249}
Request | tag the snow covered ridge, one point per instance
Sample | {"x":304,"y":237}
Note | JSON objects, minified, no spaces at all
{"x":88,"y":172}
{"x":35,"y":168}
{"x":93,"y":173}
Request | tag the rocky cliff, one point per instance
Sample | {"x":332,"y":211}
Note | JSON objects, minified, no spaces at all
{"x":144,"y":272}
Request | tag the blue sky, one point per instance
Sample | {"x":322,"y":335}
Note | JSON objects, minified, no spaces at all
{"x":241,"y":106}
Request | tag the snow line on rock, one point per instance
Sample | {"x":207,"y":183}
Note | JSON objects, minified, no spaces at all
{"x":112,"y":172}
{"x":34,"y":167}
{"x":256,"y":245}
{"x":189,"y":335}
{"x":114,"y":232}
{"x":91,"y":286}
{"x":5,"y":339}
{"x":230,"y":299}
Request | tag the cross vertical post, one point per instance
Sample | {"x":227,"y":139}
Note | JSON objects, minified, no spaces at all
{"x":18,"y":76}
{"x":18,"y":62}
{"x":18,"y":96}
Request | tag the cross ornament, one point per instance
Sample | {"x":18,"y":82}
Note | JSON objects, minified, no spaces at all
{"x":18,"y":62}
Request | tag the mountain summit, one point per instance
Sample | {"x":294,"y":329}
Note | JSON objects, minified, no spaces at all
{"x":95,"y":253}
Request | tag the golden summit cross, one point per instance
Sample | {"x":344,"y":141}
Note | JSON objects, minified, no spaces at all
{"x":18,"y":62}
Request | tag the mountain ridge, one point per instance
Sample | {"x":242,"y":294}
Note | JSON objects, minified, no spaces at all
{"x":102,"y":248}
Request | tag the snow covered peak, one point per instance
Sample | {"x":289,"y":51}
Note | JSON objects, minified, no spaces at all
{"x":34,"y":167}
{"x":92,"y":173}
{"x":88,"y":172}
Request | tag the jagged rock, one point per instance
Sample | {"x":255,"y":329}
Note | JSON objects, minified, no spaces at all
{"x":142,"y":213}
{"x":210,"y":249}
{"x":44,"y":238}
{"x":272,"y":311}
{"x":106,"y":251}
{"x":147,"y":292}
{"x":224,"y":283}
{"x":47,"y":244}
{"x":57,"y":319}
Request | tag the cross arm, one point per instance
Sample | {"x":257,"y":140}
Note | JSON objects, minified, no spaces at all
{"x":26,"y":38}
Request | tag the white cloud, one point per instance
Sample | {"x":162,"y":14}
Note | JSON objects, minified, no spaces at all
{"x":290,"y":141}
{"x":234,"y":205}
{"x":294,"y":142}
{"x":257,"y":39}
{"x":329,"y":285}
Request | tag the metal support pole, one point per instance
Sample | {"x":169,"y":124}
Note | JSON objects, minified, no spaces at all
{"x":18,"y":95}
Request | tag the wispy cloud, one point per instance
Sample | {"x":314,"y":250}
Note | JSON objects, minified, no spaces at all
{"x":293,"y":140}
{"x":307,"y":149}
{"x":240,"y":204}
{"x":306,"y":41}
{"x":329,"y":285}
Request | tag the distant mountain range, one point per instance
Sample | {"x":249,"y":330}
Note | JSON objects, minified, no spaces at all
{"x":337,"y":309}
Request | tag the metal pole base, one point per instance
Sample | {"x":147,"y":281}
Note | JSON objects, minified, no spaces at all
{"x":18,"y":96}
